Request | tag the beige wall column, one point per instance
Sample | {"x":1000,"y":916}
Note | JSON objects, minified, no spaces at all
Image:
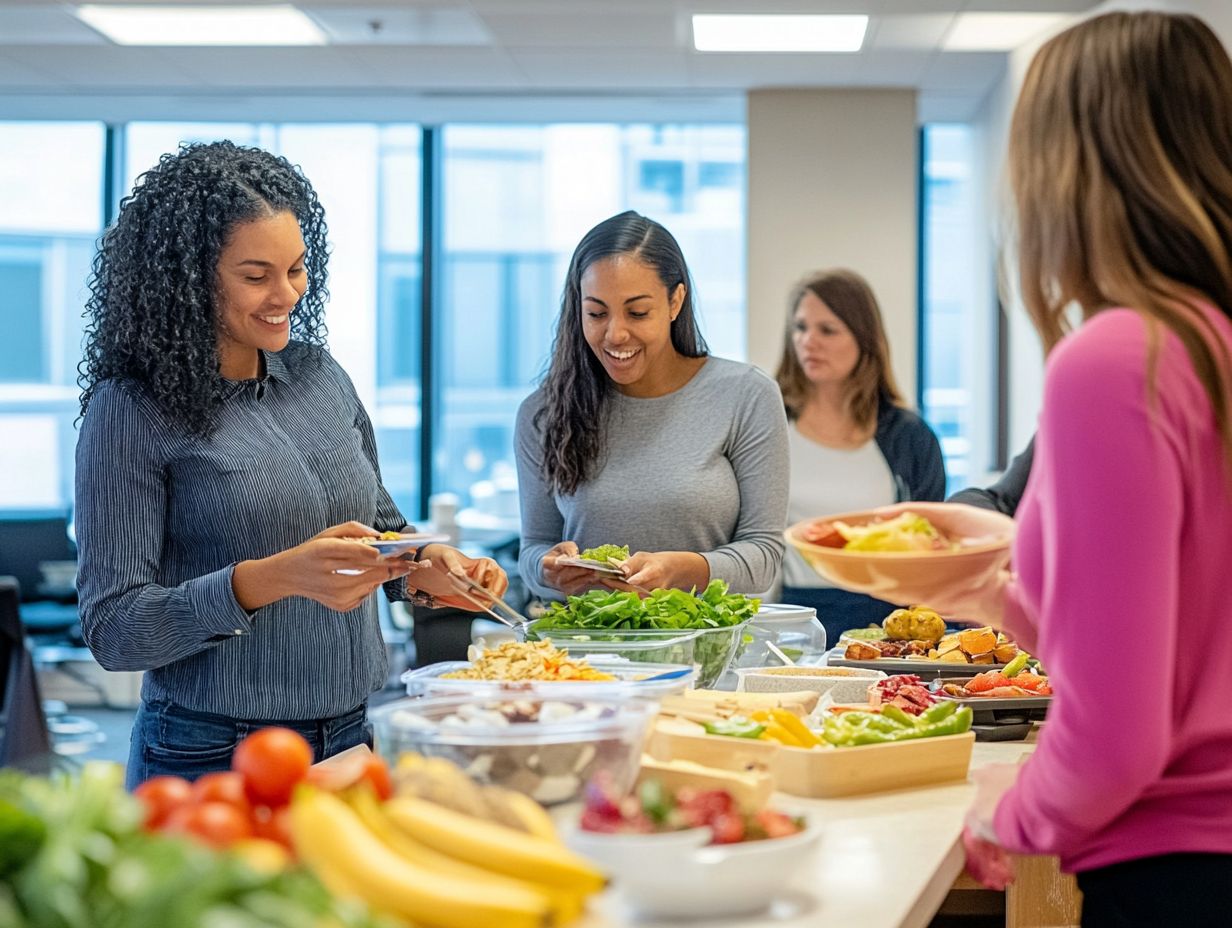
{"x":832,"y":182}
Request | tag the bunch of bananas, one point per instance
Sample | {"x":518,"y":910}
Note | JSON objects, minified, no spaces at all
{"x":424,"y":861}
{"x":445,"y":783}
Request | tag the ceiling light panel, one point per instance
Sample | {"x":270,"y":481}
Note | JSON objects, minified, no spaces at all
{"x":202,"y":25}
{"x":756,"y":32}
{"x":998,"y":32}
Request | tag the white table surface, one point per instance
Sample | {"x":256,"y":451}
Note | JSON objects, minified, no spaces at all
{"x":884,"y":861}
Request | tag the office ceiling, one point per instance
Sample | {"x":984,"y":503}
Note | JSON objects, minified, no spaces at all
{"x":510,"y":59}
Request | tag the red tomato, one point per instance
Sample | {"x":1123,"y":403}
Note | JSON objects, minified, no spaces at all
{"x":273,"y":825}
{"x":357,"y":769}
{"x":728,"y":828}
{"x":225,"y":787}
{"x":219,"y":824}
{"x":162,"y":796}
{"x":272,"y":761}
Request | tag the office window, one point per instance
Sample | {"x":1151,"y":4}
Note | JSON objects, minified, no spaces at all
{"x":516,"y":201}
{"x":958,"y":334}
{"x":367,"y":177}
{"x":51,"y":196}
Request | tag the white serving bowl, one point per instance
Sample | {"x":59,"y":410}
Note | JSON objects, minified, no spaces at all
{"x":679,"y":875}
{"x":844,"y":684}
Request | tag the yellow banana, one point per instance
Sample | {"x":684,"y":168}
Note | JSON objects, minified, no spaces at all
{"x":493,"y":846}
{"x":565,"y":906}
{"x":517,"y":810}
{"x":331,"y":839}
{"x":445,"y":783}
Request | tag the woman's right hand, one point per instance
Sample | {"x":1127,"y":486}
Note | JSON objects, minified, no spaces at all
{"x":568,"y":579}
{"x":312,"y":569}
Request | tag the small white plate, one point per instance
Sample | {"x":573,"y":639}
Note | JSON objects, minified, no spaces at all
{"x":409,"y":542}
{"x":598,"y":567}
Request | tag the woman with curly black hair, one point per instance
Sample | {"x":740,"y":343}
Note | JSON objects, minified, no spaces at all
{"x":638,"y":437}
{"x":227,"y":472}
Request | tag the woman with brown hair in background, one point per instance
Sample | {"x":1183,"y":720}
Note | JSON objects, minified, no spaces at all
{"x":853,"y":443}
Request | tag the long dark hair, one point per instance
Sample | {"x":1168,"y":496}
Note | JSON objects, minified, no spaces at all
{"x":1118,"y":157}
{"x":152,"y":310}
{"x":573,"y":418}
{"x":872,"y":381}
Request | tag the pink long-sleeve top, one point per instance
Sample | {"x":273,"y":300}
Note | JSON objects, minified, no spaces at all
{"x":1124,"y":590}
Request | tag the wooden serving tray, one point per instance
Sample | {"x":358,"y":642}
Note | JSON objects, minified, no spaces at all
{"x":819,"y":773}
{"x":872,"y":768}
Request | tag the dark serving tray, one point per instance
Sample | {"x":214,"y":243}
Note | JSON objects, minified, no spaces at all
{"x":999,"y":719}
{"x":925,"y":669}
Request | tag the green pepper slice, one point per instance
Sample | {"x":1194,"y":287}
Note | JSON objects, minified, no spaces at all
{"x":735,"y":727}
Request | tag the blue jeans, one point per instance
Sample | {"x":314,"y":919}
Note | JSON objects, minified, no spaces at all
{"x":169,"y":739}
{"x":838,"y":610}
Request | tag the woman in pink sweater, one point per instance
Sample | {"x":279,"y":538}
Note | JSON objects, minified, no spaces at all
{"x":1121,"y":166}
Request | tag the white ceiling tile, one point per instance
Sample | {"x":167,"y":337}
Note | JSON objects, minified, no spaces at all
{"x":27,"y":24}
{"x":369,"y":25}
{"x":584,"y":30}
{"x":760,"y":70}
{"x":462,"y":68}
{"x":601,"y":69}
{"x":1030,"y":6}
{"x":102,"y":65}
{"x":16,"y":74}
{"x":272,"y":67}
{"x":973,"y":72}
{"x":892,"y":67}
{"x":923,"y":31}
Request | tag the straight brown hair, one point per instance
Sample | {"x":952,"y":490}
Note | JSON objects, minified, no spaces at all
{"x":1119,"y":163}
{"x":851,"y":299}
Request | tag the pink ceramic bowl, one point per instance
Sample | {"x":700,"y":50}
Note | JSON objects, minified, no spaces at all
{"x":915,"y":576}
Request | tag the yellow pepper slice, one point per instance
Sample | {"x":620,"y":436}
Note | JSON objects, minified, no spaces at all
{"x":796,"y":727}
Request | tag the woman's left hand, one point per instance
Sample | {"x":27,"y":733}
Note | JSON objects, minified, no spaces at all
{"x":988,"y":861}
{"x":662,"y":570}
{"x":436,"y":565}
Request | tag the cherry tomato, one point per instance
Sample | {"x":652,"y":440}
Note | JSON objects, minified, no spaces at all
{"x":728,"y":828}
{"x":216,"y":823}
{"x":162,"y":796}
{"x":225,"y":787}
{"x":272,"y":761}
{"x":273,"y":825}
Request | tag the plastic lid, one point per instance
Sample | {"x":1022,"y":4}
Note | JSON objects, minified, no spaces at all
{"x":783,"y":612}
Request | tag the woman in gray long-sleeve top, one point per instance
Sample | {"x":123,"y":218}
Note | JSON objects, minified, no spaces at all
{"x":225,"y":473}
{"x":638,"y":437}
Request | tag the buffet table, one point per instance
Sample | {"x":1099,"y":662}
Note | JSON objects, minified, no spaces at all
{"x":886,"y":860}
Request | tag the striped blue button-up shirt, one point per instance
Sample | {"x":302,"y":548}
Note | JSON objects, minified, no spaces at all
{"x":164,"y":516}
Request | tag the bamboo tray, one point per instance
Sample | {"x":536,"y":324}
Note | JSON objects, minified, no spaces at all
{"x":820,"y":773}
{"x":872,"y":768}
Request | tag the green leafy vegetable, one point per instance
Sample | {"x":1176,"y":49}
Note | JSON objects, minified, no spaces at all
{"x":605,"y":553}
{"x":715,"y":611}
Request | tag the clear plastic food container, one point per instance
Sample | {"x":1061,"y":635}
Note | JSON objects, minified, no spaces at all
{"x":547,"y":748}
{"x":632,"y":678}
{"x":711,"y":650}
{"x":795,"y":630}
{"x":622,"y":645}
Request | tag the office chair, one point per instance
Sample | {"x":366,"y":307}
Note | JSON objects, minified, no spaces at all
{"x":28,"y":540}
